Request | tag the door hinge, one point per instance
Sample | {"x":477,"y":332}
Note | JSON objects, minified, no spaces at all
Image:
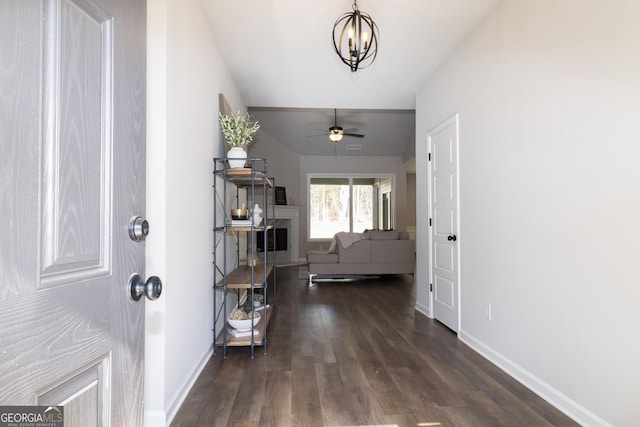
{"x":430,"y":287}
{"x":429,"y":222}
{"x":429,"y":156}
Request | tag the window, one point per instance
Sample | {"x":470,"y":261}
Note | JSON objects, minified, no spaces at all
{"x":348,"y":203}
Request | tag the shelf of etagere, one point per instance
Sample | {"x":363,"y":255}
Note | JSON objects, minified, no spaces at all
{"x":237,"y":228}
{"x":258,"y":335}
{"x":240,"y":278}
{"x":245,"y":177}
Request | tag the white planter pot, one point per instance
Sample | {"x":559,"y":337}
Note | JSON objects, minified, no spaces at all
{"x":239,"y":155}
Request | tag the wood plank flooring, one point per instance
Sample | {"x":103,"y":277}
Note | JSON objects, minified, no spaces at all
{"x":356,"y":354}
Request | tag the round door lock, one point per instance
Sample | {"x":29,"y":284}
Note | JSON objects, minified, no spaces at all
{"x":138,"y":228}
{"x":452,"y":238}
{"x":152,"y":288}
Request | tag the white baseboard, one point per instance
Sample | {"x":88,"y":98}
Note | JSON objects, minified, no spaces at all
{"x":155,"y":419}
{"x":179,"y":398}
{"x":562,"y":402}
{"x":424,"y":309}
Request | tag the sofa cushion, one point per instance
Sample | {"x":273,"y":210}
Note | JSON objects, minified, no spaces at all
{"x":357,"y":253}
{"x":347,"y":239}
{"x":393,"y":251}
{"x":383,"y":235}
{"x":321,"y":257}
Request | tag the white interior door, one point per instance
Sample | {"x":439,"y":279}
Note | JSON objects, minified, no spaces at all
{"x":72,"y":168}
{"x":443,"y":169}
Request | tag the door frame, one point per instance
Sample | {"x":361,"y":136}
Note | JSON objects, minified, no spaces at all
{"x":455,"y":121}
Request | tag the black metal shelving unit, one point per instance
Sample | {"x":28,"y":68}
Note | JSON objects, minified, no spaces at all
{"x":233,"y":187}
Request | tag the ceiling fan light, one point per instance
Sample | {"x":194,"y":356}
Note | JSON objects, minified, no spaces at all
{"x":335,"y":136}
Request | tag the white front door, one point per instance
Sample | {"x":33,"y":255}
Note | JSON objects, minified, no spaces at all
{"x":72,"y":168}
{"x":443,"y":170}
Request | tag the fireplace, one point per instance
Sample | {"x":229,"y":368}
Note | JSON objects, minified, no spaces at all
{"x":284,"y":217}
{"x":276,"y":239}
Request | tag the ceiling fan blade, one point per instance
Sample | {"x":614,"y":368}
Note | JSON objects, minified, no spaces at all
{"x":320,"y":134}
{"x":357,"y":135}
{"x":352,"y":130}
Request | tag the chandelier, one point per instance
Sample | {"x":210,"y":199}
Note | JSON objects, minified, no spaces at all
{"x":355,"y":39}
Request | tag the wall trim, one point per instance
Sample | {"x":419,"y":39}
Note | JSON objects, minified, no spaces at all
{"x":180,"y":397}
{"x":155,"y":418}
{"x":562,"y":402}
{"x":424,"y":309}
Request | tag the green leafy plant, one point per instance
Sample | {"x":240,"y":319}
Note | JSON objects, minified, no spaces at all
{"x":238,"y":129}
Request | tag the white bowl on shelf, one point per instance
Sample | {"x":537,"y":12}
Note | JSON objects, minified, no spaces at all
{"x":244,"y":325}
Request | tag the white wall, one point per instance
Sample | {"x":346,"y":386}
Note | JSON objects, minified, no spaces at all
{"x":548,"y":93}
{"x":185,"y":76}
{"x":283,"y":164}
{"x":411,"y":200}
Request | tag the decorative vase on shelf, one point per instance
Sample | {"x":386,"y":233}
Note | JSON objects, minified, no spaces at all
{"x":238,"y":130}
{"x":257,"y":218}
{"x":237,"y":157}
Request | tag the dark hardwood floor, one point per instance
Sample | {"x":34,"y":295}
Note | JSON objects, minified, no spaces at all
{"x":357,"y":353}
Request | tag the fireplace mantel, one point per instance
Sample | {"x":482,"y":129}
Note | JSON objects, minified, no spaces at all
{"x":291,"y":213}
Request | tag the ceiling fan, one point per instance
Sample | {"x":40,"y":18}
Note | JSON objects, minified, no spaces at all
{"x":336,"y":132}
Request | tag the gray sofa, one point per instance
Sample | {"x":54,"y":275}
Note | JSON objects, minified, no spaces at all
{"x":371,"y":252}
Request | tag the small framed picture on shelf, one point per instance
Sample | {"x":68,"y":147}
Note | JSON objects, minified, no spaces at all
{"x":281,"y":196}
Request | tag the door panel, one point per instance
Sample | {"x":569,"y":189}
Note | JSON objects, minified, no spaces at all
{"x":71,"y":177}
{"x":443,"y":219}
{"x":444,"y":292}
{"x":443,"y":142}
{"x":76,"y":191}
{"x":443,"y":258}
{"x":82,"y":395}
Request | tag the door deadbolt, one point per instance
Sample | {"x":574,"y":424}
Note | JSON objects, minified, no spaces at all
{"x":152,"y":288}
{"x":138,"y":228}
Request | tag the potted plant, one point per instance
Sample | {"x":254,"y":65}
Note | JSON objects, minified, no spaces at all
{"x":238,"y":130}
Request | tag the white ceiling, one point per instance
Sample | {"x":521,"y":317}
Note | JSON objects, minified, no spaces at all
{"x":281,"y":55}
